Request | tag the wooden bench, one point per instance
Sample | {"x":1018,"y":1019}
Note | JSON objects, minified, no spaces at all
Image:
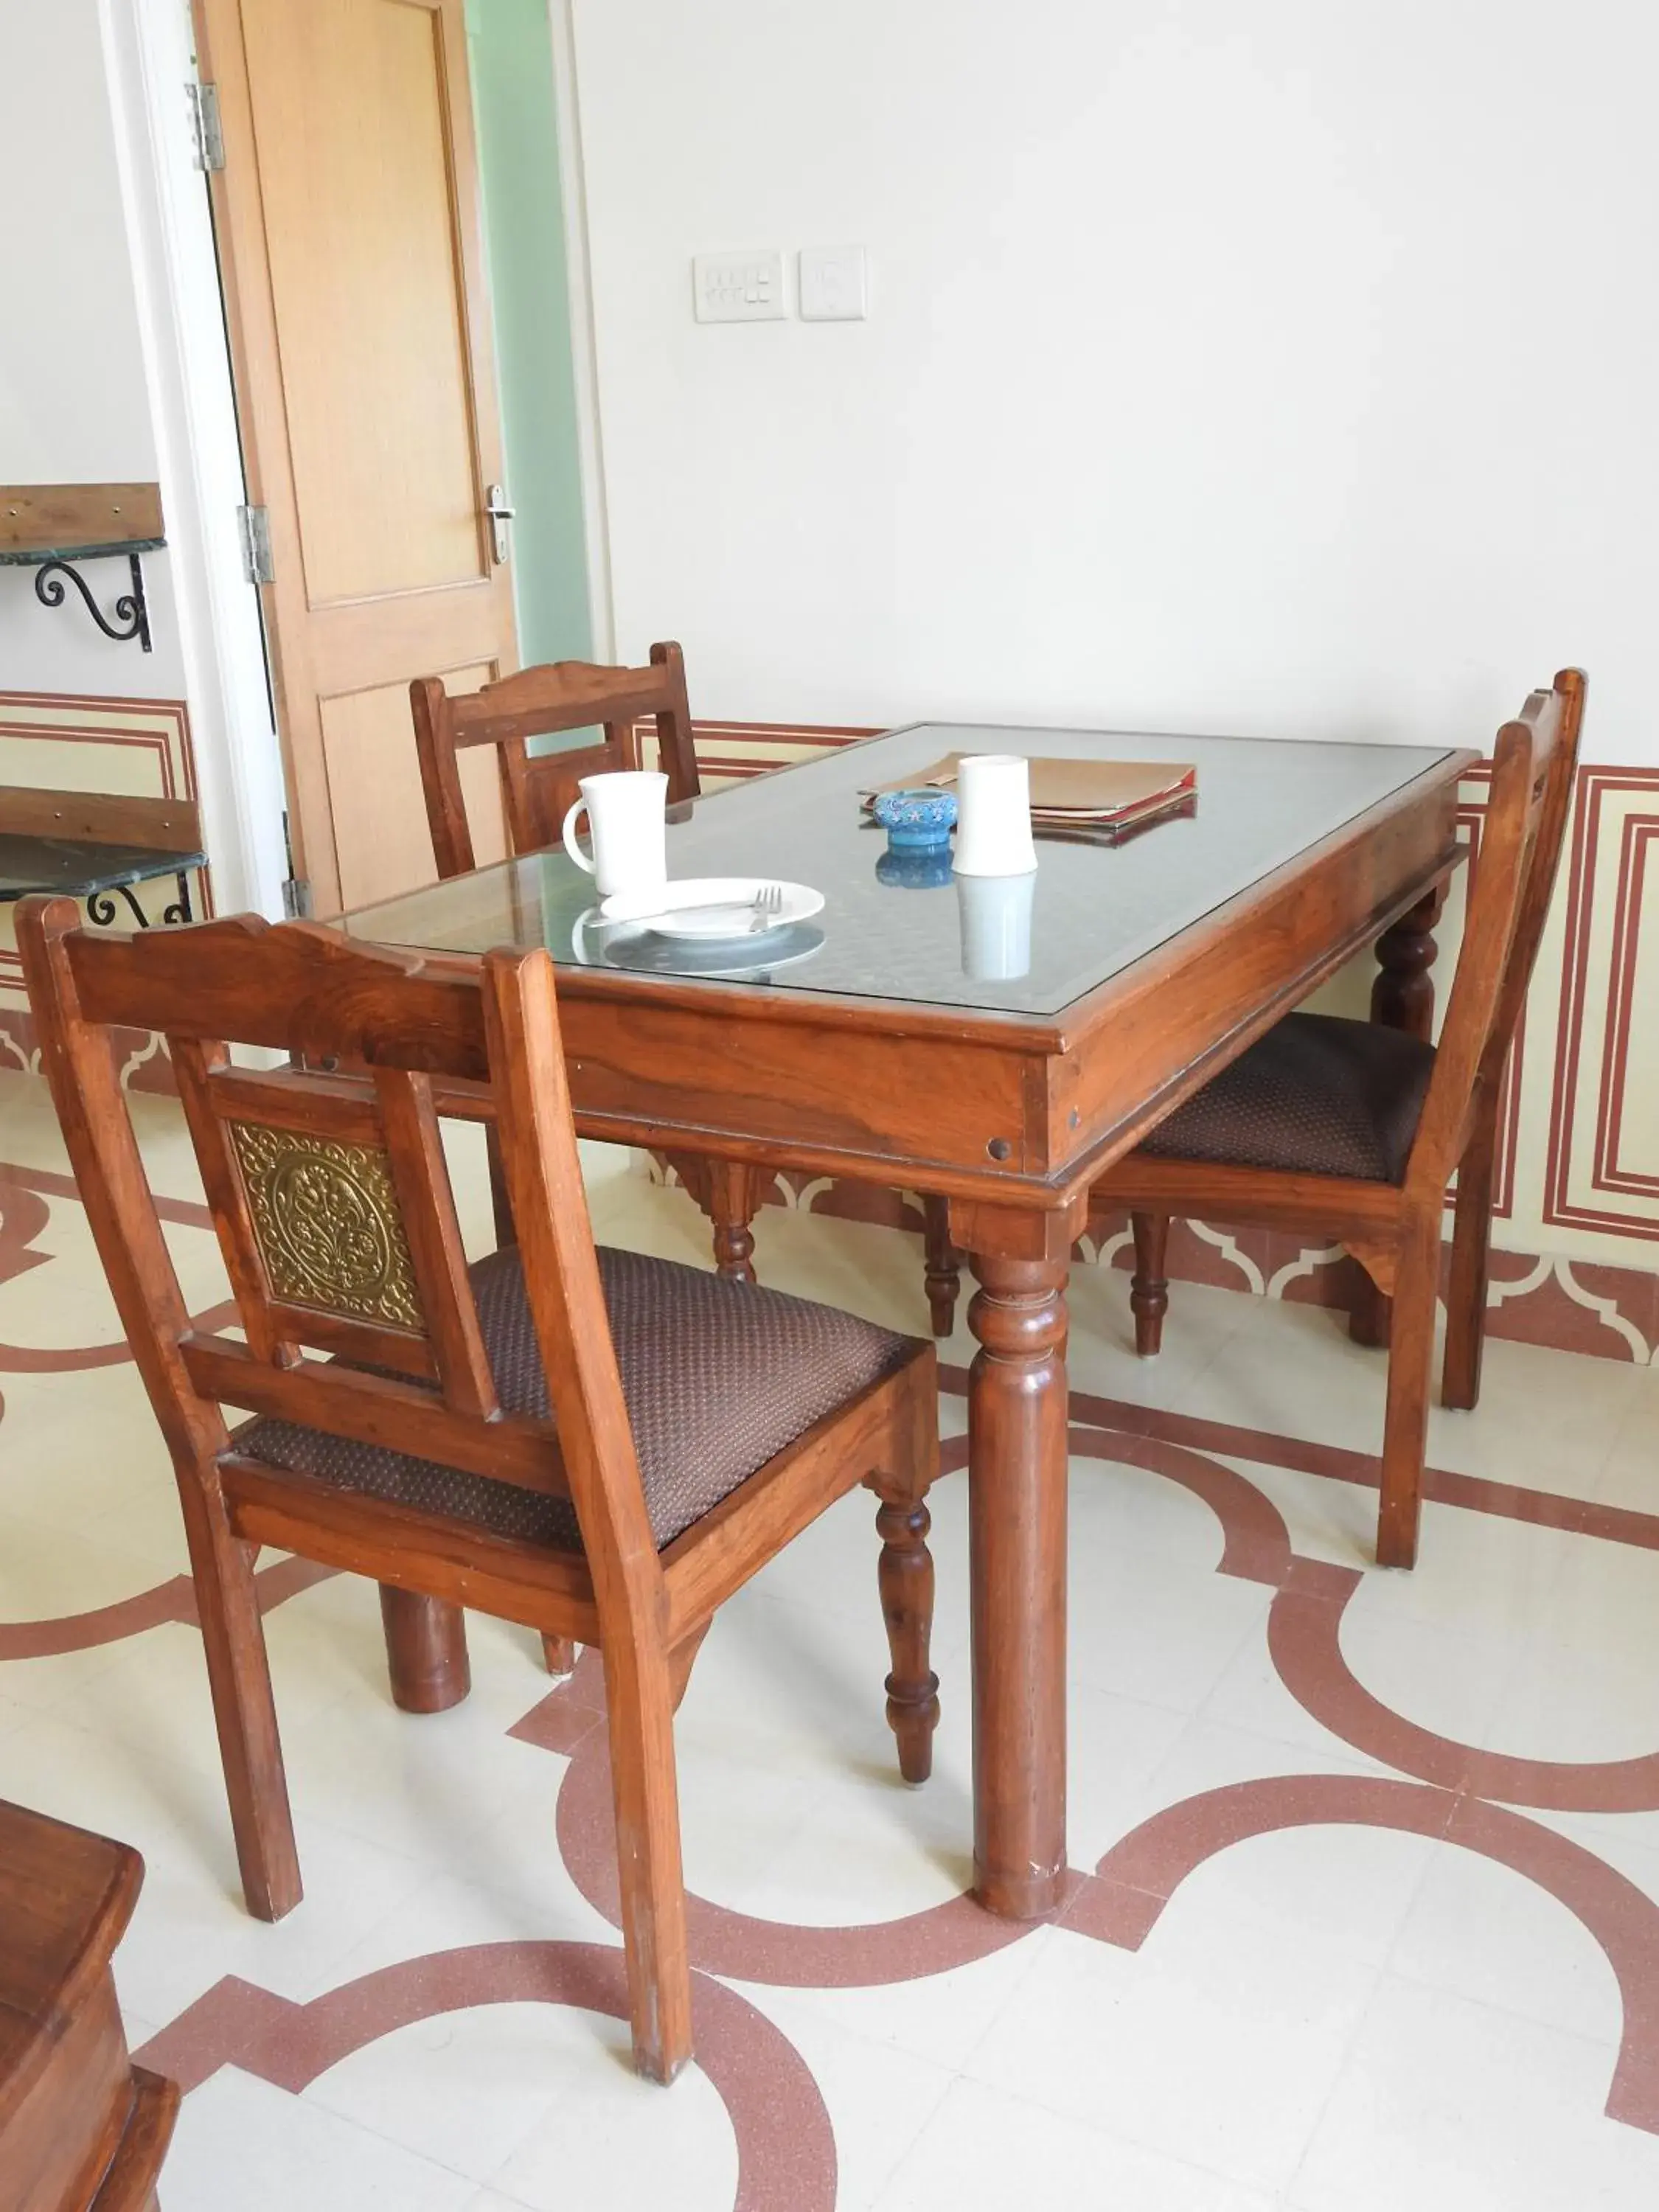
{"x":91,"y":845}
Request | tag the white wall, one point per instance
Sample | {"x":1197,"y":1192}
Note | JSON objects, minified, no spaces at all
{"x":74,"y":402}
{"x":1288,"y":367}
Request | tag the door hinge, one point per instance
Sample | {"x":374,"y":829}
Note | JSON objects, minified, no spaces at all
{"x":205,"y":125}
{"x":296,"y":891}
{"x":257,"y":563}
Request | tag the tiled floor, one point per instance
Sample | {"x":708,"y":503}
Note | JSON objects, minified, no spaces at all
{"x":1366,"y":1911}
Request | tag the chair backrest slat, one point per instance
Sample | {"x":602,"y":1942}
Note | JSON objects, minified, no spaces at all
{"x":421,"y":1177}
{"x":330,"y":1194}
{"x":1534,"y":762}
{"x":309,"y":992}
{"x":543,"y":701}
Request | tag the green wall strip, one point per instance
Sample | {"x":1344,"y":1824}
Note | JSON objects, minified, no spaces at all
{"x":511,"y":47}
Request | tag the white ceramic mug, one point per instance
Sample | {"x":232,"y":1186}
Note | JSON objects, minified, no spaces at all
{"x":993,"y":815}
{"x":996,"y":925}
{"x":627,"y":813}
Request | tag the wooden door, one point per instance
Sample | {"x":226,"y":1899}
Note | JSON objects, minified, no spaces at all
{"x":350,"y":246}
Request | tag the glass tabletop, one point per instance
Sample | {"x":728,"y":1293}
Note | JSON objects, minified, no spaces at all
{"x":76,"y":866}
{"x":1027,"y":945}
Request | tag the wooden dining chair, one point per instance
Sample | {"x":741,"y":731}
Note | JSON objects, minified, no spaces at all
{"x":596,"y":1444}
{"x":537,"y":792}
{"x":1351,"y":1131}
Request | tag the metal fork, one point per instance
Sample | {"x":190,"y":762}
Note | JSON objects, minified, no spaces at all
{"x":768,"y":904}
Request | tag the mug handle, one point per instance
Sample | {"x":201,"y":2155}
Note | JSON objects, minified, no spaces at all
{"x":569,"y":833}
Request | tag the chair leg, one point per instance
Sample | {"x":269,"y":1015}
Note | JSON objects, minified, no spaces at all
{"x":640,"y":1706}
{"x":905,"y":1577}
{"x":944,"y":1266}
{"x":559,"y":1652}
{"x":1406,"y":1427}
{"x":1149,"y":1288}
{"x":733,"y":1202}
{"x":425,"y":1649}
{"x":1466,"y":1295}
{"x":506,"y":1234}
{"x":239,"y":1677}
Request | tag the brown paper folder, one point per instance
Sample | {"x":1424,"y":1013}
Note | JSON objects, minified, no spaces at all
{"x":1089,"y":794}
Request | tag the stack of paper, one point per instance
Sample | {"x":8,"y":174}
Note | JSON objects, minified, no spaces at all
{"x":1100,"y":800}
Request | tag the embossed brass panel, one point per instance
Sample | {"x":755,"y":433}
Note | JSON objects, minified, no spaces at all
{"x":328,"y":1226}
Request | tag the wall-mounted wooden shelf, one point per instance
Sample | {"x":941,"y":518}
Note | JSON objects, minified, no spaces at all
{"x":51,"y":527}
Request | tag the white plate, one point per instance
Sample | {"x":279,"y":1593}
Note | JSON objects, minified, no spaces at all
{"x":702,"y":908}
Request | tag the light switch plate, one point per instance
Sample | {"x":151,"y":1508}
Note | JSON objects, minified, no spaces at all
{"x":738,"y":288}
{"x":835,"y":284}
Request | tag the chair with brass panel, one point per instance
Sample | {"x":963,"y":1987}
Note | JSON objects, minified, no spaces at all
{"x":597,"y":1444}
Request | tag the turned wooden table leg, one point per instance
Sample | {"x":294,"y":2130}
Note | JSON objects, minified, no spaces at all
{"x":1017,"y":1428}
{"x":1402,"y":998}
{"x":425,"y":1649}
{"x":729,"y":1193}
{"x":734,"y":1197}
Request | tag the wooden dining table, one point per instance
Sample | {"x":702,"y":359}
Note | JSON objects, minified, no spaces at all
{"x":997,"y":1042}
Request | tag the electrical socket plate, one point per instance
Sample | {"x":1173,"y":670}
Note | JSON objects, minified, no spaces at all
{"x":739,"y":288}
{"x":835,"y":284}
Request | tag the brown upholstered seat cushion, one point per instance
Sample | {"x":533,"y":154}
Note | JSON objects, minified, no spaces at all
{"x":1317,"y":1095}
{"x":718,"y":1377}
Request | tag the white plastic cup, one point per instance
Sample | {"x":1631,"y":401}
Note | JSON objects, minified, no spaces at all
{"x":993,"y":819}
{"x":996,"y":925}
{"x":627,"y":817}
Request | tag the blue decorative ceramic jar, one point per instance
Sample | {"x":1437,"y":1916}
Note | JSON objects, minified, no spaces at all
{"x":916,"y":821}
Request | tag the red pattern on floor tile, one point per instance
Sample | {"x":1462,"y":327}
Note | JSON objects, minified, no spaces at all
{"x":1304,"y":1629}
{"x":23,"y":1214}
{"x":1256,"y":1544}
{"x":30,"y":1359}
{"x":784,"y":1954}
{"x":1140,"y":1874}
{"x":171,"y":1601}
{"x":785,"y":2147}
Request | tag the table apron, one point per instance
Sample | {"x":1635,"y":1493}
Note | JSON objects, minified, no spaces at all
{"x":813,"y":1095}
{"x":1021,"y":1123}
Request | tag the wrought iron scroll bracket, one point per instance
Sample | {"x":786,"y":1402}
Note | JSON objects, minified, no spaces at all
{"x":131,"y":609}
{"x":102,"y":910}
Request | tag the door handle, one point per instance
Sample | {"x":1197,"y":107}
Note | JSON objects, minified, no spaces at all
{"x":501,"y":512}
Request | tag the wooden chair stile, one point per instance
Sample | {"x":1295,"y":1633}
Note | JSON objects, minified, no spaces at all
{"x":461,"y":1434}
{"x":1207,"y":1159}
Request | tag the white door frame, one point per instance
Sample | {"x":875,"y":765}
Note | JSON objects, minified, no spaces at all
{"x":148,"y":47}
